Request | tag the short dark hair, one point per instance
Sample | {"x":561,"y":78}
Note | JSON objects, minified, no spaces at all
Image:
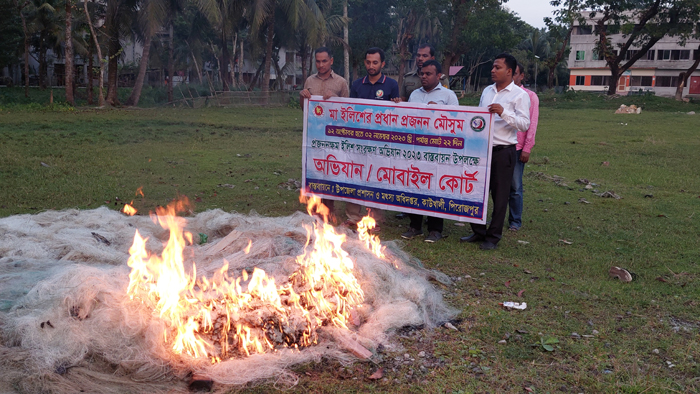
{"x":522,"y":69}
{"x":435,"y":63}
{"x":374,"y":50}
{"x":426,"y":45}
{"x":324,"y":49}
{"x":509,"y":59}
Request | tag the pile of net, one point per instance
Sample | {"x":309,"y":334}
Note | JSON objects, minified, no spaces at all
{"x":67,"y":323}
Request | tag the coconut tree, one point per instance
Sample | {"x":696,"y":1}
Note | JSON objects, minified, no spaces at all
{"x":149,"y":19}
{"x":46,"y":27}
{"x":225,"y":16}
{"x":262,"y":15}
{"x":21,"y":6}
{"x":98,"y":12}
{"x":118,"y":19}
{"x":537,"y":45}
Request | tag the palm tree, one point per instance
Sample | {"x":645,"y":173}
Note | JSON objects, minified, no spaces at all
{"x":20,"y":8}
{"x":149,"y":18}
{"x":46,"y":26}
{"x":538,"y":47}
{"x":69,"y":53}
{"x":95,"y":44}
{"x":119,"y":15}
{"x":262,"y":16}
{"x":225,"y":16}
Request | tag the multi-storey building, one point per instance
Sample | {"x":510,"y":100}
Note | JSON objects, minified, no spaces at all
{"x":657,"y":71}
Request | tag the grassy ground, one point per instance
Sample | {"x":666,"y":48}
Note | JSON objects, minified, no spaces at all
{"x":632,"y":338}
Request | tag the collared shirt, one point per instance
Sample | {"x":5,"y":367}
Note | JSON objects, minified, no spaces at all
{"x":411,"y":82}
{"x":526,"y":140}
{"x":384,"y":89}
{"x":440,"y":95}
{"x":515,"y":116}
{"x":334,"y":84}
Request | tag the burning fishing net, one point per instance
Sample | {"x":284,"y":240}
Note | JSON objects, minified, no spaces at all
{"x":79,"y":312}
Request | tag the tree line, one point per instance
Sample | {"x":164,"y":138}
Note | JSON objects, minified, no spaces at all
{"x":186,"y":34}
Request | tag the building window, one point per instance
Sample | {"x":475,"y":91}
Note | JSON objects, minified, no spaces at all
{"x":583,"y":30}
{"x":600,"y":80}
{"x":640,"y":81}
{"x":580,"y":55}
{"x":630,"y":53}
{"x":664,"y":54}
{"x":680,"y":54}
{"x":668,"y":82}
{"x":696,"y":54}
{"x":650,"y":54}
{"x":580,"y":80}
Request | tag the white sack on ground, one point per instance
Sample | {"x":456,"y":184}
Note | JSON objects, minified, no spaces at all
{"x":67,"y":323}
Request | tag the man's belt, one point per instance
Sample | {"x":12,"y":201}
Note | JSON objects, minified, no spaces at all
{"x":497,"y":148}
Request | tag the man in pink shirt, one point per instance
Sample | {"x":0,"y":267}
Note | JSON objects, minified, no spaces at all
{"x":526,"y":140}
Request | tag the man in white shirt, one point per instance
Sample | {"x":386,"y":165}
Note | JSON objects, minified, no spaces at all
{"x":512,"y":105}
{"x":431,"y":92}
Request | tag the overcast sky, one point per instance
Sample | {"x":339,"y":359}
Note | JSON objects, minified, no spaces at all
{"x":531,"y":11}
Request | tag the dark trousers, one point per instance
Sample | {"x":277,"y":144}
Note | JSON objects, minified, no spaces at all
{"x":434,"y":224}
{"x":502,"y":165}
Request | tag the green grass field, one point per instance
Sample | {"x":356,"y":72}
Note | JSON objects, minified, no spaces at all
{"x":632,"y":338}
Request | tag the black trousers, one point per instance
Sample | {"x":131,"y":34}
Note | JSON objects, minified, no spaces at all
{"x":502,"y":165}
{"x":434,"y":224}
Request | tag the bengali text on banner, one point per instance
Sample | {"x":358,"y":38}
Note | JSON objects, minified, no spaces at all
{"x":427,"y":159}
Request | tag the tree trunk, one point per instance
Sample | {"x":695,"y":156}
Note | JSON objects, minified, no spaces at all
{"x":113,"y":71}
{"x":558,"y":57}
{"x":346,"y":52}
{"x":26,"y":51}
{"x":100,"y":97}
{"x":196,"y":66}
{"x":256,"y":76}
{"x":70,"y":73}
{"x":143,"y":67}
{"x":268,"y":57}
{"x":684,"y":76}
{"x":402,"y":72}
{"x":241,"y":62}
{"x":223,"y":64}
{"x":171,"y":62}
{"x":303,"y":66}
{"x":232,"y":60}
{"x":43,"y":66}
{"x":90,"y":97}
{"x":614,"y":78}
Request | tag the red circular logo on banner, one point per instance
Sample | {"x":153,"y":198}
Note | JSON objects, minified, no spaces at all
{"x":318,"y":110}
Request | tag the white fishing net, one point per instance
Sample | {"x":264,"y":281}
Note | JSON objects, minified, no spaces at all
{"x":68,"y":325}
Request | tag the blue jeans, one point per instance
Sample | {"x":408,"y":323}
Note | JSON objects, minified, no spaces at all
{"x":515,"y":202}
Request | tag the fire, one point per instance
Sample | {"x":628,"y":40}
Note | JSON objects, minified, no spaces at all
{"x":223,"y":317}
{"x":371,"y":241}
{"x":129,"y":210}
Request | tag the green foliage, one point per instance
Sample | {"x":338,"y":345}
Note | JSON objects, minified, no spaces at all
{"x":12,"y":42}
{"x":547,"y":343}
{"x":371,"y":26}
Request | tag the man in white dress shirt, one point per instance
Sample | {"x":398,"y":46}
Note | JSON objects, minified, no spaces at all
{"x":431,"y":92}
{"x":512,"y":106}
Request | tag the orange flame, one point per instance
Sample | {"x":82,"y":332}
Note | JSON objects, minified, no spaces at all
{"x":371,"y":241}
{"x":211,"y":317}
{"x":129,"y":210}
